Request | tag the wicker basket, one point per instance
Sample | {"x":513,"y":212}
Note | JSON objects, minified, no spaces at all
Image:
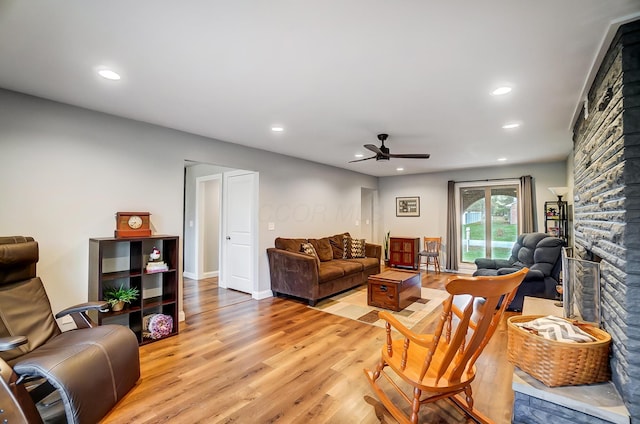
{"x":559,"y":363}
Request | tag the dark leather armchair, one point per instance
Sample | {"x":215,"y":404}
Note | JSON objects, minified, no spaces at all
{"x":91,"y":368}
{"x":537,"y":251}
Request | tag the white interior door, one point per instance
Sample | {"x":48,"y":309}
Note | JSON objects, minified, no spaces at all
{"x":240,"y":190}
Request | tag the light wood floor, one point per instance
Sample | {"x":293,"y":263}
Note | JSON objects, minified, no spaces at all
{"x":238,"y":360}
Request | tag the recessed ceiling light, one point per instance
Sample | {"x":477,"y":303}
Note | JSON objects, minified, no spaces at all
{"x":511,"y":125}
{"x":399,"y":169}
{"x":277,"y":129}
{"x":109,"y":74}
{"x":359,"y":155}
{"x":501,"y":159}
{"x":501,"y":91}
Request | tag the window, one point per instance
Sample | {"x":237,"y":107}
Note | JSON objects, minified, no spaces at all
{"x":489,"y":216}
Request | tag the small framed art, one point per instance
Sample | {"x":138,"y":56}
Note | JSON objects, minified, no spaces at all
{"x":408,"y":206}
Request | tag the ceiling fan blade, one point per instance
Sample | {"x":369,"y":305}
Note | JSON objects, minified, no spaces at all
{"x":360,"y":160}
{"x":375,"y":149}
{"x":411,"y":156}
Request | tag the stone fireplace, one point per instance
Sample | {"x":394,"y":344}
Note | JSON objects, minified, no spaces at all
{"x":607,"y":202}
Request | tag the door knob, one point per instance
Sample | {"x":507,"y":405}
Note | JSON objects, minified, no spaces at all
{"x":228,"y":238}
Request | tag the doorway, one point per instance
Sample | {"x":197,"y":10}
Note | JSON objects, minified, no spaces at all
{"x":208,"y":217}
{"x":367,"y":208}
{"x":204,"y":242}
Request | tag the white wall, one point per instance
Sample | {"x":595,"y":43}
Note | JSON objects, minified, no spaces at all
{"x":432,"y":190}
{"x":66,"y":171}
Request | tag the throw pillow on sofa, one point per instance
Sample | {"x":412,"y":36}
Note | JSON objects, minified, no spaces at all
{"x":289,"y":244}
{"x":323,"y":248}
{"x":337,"y":244}
{"x":353,"y":248}
{"x":307,"y":249}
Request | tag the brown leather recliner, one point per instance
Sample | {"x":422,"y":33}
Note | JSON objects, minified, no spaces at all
{"x":91,"y":367}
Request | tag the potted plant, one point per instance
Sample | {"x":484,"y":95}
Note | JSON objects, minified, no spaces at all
{"x":386,"y":248}
{"x":117,"y":297}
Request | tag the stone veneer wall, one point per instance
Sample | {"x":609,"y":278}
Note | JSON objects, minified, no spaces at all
{"x":531,"y":410}
{"x":607,"y":202}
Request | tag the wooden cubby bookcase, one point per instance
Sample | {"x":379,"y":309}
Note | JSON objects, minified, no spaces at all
{"x":116,"y":261}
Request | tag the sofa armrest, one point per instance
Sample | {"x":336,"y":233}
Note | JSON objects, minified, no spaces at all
{"x":293,"y":273}
{"x":488,"y":263}
{"x":83,"y":307}
{"x":373,"y":250}
{"x":505,"y":271}
{"x":485,"y":263}
{"x":534,"y":274}
{"x":79,"y":313}
{"x":12,"y":342}
{"x":503,"y":263}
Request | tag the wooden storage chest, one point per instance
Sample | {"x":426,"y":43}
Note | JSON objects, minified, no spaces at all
{"x":393,"y":289}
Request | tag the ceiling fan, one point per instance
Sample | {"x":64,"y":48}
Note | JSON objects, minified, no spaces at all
{"x":382,"y":152}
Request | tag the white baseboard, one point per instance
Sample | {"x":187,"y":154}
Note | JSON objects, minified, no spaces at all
{"x":181,"y":316}
{"x":193,"y":276}
{"x":264,"y":294}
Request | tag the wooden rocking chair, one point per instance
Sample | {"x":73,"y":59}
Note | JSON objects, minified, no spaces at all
{"x":443,"y":367}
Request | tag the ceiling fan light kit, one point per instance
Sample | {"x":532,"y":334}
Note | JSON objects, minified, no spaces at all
{"x":382,"y":152}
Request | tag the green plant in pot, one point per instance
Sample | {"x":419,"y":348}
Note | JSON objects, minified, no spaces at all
{"x":117,"y":297}
{"x":386,"y":248}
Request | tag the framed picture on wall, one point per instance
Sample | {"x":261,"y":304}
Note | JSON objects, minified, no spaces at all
{"x":408,"y":206}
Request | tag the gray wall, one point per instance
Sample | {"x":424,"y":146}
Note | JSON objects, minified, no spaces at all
{"x":66,"y":171}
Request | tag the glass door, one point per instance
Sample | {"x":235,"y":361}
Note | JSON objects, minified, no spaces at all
{"x":489,"y":217}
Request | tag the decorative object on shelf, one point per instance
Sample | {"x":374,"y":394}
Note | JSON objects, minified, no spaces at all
{"x":155,"y":264}
{"x":555,"y":215}
{"x":117,"y":297}
{"x":132,"y":224}
{"x":156,"y":326}
{"x":408,"y":206}
{"x":154,"y":255}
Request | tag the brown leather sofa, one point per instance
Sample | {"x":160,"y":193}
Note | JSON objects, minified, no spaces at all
{"x":301,"y":275}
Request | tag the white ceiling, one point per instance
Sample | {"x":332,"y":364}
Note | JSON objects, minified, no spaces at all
{"x":333,"y":73}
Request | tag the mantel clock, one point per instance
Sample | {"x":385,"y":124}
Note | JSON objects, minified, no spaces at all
{"x":132,"y":224}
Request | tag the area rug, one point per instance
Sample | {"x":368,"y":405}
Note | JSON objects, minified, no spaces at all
{"x":352,"y":304}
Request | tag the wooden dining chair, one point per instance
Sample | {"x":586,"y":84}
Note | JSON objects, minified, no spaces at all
{"x":431,"y":253}
{"x":442,"y":365}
